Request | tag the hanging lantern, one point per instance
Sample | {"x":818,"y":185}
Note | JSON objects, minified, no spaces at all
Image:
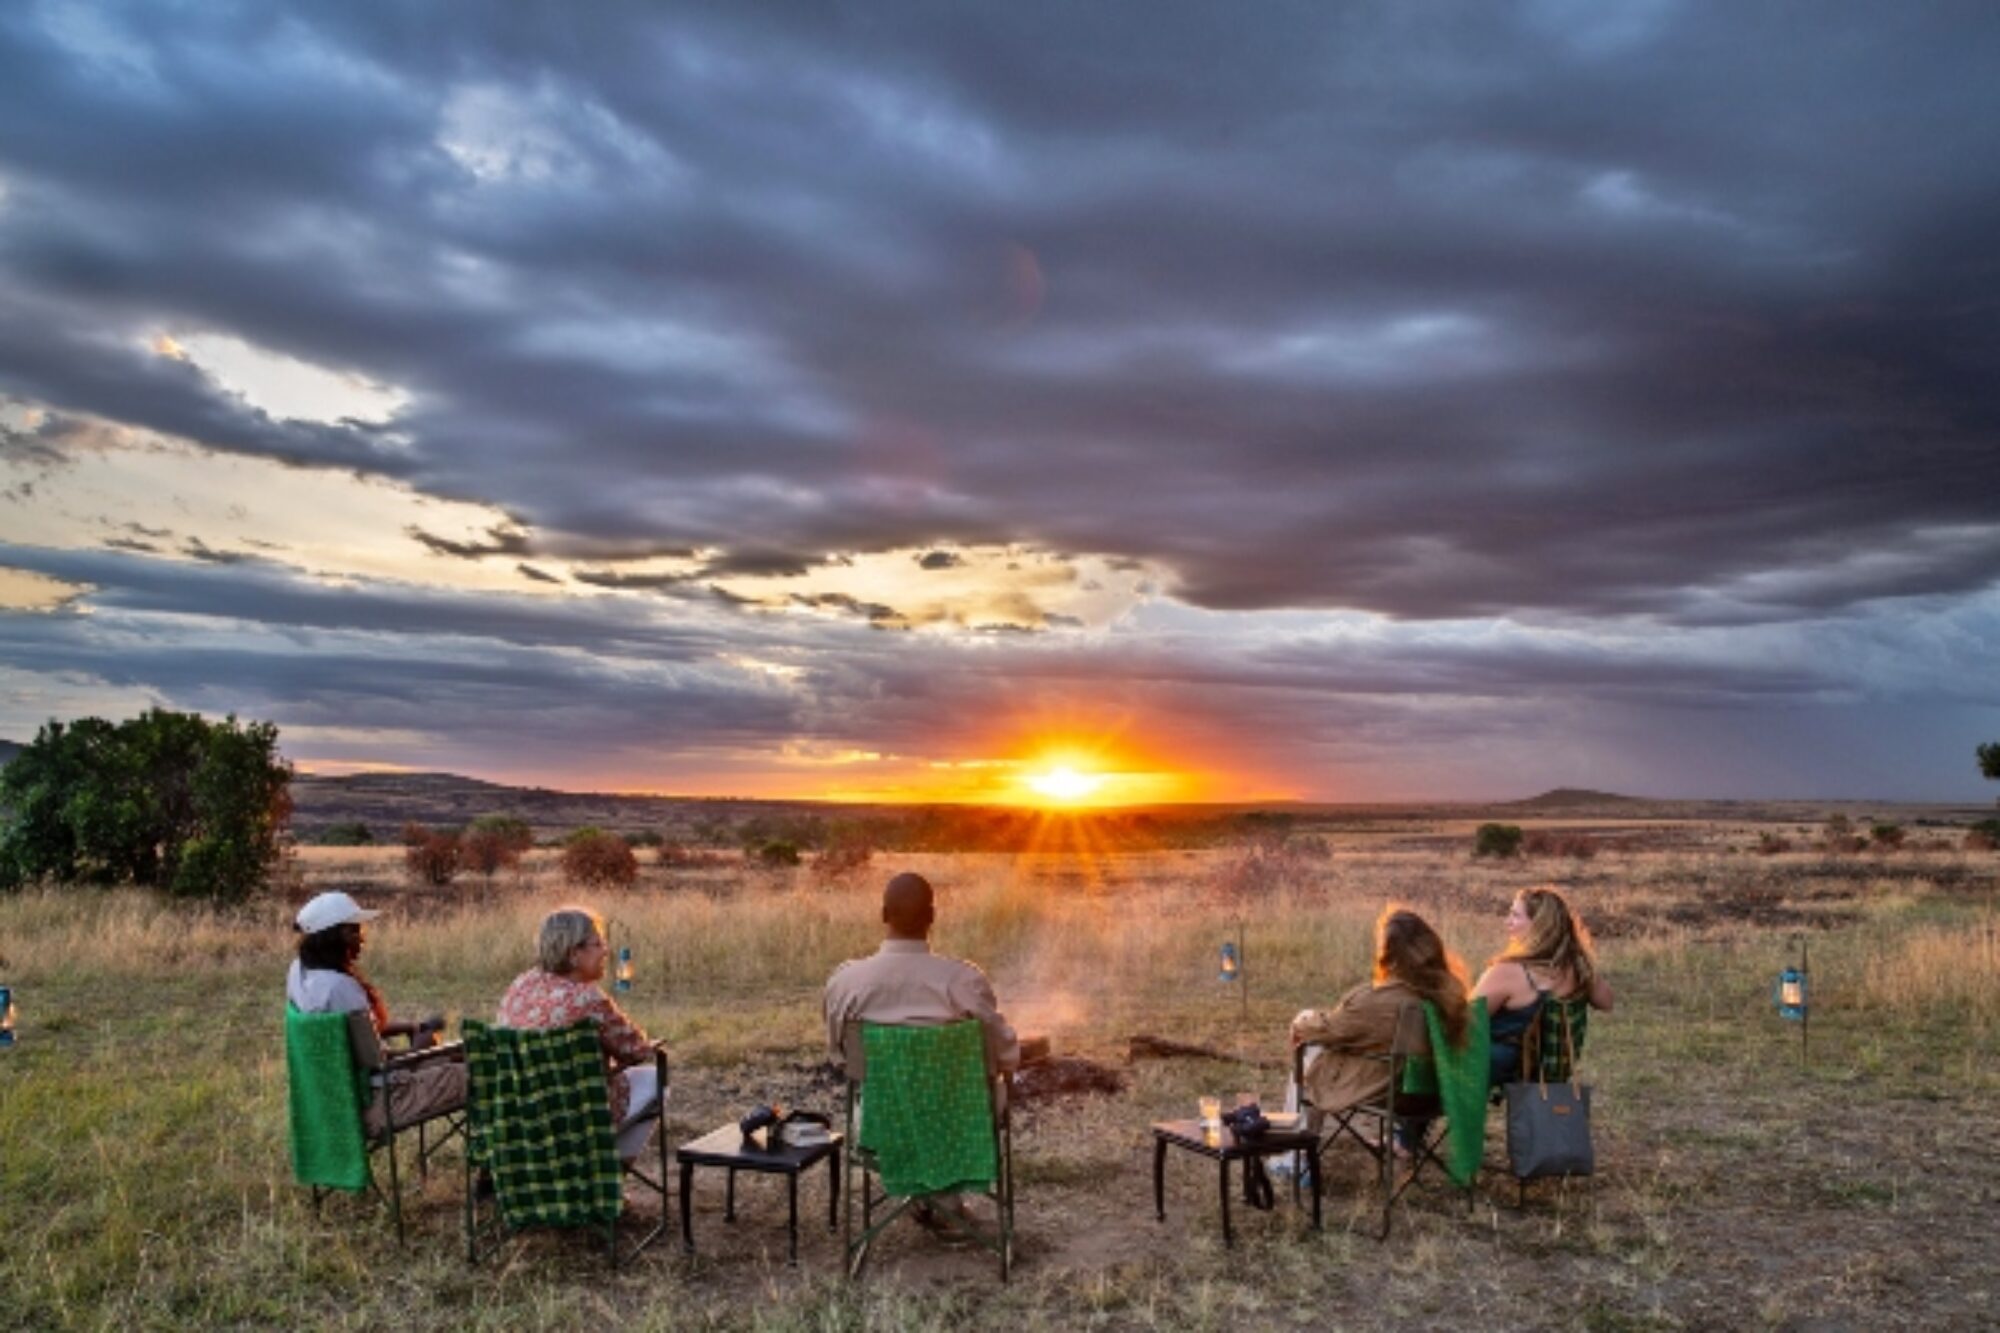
{"x":623,"y":975}
{"x":1790,"y":995}
{"x":6,"y":1018}
{"x":1232,"y":965}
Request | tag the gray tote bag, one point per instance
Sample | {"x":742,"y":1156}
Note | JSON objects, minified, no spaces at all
{"x":1548,"y":1126}
{"x":1548,"y":1130}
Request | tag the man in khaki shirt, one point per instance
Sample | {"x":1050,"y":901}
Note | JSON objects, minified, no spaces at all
{"x":904,"y":982}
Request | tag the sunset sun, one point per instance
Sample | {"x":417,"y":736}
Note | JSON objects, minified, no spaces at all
{"x":1064,"y":785}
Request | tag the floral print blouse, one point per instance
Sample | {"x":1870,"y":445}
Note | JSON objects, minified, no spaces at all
{"x":539,"y":999}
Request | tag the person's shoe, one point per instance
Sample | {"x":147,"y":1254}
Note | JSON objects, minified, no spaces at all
{"x":950,"y":1223}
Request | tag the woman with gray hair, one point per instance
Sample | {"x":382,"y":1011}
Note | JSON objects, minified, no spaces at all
{"x":562,"y":990}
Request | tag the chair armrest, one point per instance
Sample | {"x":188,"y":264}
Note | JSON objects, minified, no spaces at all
{"x":446,"y":1050}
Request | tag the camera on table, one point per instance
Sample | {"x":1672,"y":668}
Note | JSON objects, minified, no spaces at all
{"x":1247,"y":1122}
{"x":760,"y":1117}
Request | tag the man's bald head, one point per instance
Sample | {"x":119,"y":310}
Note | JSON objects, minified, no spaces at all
{"x":907,"y":907}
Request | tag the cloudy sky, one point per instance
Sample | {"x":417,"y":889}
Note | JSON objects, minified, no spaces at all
{"x":1352,"y":402}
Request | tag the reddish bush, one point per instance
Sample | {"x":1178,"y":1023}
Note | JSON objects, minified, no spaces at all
{"x":494,"y":843}
{"x":1979,"y":840}
{"x":683,"y":857}
{"x":1771,"y":844}
{"x":1545,"y":843}
{"x":430,"y":858}
{"x":842,"y":861}
{"x":593,"y":859}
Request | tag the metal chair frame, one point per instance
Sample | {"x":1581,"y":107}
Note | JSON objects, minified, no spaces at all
{"x":365,"y":1050}
{"x":1378,"y":1116}
{"x":484,"y":1238}
{"x":862,"y":1164}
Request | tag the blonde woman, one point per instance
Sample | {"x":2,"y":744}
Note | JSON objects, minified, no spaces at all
{"x":1548,"y":956}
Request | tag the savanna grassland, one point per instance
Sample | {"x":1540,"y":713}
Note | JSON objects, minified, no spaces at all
{"x":142,"y":1117}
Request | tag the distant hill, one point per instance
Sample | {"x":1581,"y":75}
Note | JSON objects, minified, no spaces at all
{"x":1571,"y":798}
{"x":387,"y":801}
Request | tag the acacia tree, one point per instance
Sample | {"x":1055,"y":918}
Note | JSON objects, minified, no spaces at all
{"x":168,"y":800}
{"x":1989,"y":760}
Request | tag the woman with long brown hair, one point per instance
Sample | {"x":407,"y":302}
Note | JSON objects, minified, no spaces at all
{"x":1549,"y":955}
{"x":1411,"y":964}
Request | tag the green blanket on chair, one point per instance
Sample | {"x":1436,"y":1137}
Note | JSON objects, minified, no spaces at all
{"x":323,"y":1100}
{"x":541,"y":1122}
{"x":1461,"y":1089}
{"x":926,"y":1112}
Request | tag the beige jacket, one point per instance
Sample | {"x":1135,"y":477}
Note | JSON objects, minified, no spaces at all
{"x":1363,"y":1023}
{"x":904,"y":982}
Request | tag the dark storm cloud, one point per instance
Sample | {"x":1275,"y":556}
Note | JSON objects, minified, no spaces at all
{"x":1429,"y":317}
{"x":1563,"y":313}
{"x":504,"y":541}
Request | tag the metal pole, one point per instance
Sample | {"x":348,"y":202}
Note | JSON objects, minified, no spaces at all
{"x":1243,"y":971}
{"x":1805,"y":1018}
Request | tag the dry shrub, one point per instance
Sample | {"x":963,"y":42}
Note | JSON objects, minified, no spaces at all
{"x":683,"y":857}
{"x":1542,"y":842}
{"x":1772,"y":844}
{"x":594,"y":859}
{"x":1979,"y":840}
{"x":493,"y":845}
{"x":842,"y":862}
{"x":431,"y":858}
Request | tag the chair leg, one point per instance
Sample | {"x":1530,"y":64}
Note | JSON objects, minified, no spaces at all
{"x":395,"y":1188}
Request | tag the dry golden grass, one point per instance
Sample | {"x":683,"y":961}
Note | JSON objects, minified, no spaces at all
{"x":141,"y":1120}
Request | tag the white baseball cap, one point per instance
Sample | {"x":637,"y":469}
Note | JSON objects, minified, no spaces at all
{"x":329,"y":910}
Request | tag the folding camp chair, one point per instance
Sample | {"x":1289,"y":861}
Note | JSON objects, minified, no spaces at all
{"x":538,"y":1115}
{"x":1411,"y":1094}
{"x":927,"y":1118}
{"x":337,"y":1068}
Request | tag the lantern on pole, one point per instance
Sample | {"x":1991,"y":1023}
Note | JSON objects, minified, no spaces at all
{"x":1232,"y":968}
{"x":6,"y":1018}
{"x":1792,"y":996}
{"x":622,"y":978}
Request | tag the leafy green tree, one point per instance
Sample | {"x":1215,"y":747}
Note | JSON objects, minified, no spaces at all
{"x":168,"y":800}
{"x":1497,"y":840}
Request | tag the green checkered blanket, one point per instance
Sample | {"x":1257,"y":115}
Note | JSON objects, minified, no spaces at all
{"x":323,"y":1099}
{"x":539,"y":1118}
{"x":927,"y":1114}
{"x":1545,"y":1053}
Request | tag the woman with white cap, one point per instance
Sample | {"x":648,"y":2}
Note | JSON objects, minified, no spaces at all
{"x":325,"y":979}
